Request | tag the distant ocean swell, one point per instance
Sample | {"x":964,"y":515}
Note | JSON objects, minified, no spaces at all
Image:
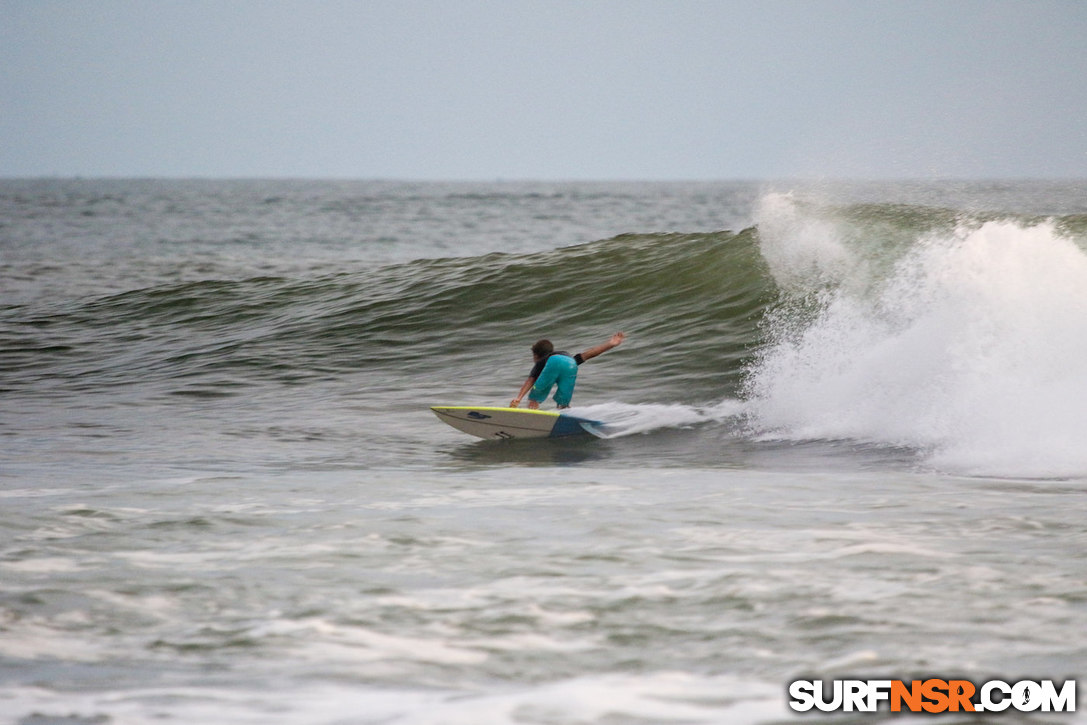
{"x":960,"y":336}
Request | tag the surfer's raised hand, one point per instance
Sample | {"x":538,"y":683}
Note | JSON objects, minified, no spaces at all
{"x":615,"y":341}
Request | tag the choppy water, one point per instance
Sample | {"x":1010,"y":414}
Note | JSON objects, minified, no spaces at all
{"x":851,"y":442}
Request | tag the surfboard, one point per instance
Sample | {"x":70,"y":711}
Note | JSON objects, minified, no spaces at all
{"x":503,"y":423}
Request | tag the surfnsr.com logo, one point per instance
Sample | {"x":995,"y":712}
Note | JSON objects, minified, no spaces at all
{"x":932,"y":696}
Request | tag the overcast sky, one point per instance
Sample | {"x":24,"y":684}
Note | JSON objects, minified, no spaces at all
{"x":514,"y":89}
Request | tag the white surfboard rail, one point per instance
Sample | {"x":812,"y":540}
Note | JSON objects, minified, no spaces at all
{"x":506,"y":423}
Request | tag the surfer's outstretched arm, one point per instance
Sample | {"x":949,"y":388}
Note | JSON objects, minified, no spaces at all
{"x":615,"y":341}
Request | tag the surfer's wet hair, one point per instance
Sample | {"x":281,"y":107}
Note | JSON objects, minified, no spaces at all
{"x":542,"y":347}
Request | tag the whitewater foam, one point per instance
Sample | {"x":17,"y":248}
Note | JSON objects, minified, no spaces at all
{"x":971,"y":350}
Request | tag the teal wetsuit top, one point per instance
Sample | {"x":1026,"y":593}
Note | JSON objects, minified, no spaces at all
{"x":557,"y":369}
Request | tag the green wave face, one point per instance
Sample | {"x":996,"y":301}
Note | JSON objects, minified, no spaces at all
{"x":704,"y":311}
{"x":693,"y":302}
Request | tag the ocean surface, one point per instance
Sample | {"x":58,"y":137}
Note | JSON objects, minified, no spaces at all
{"x":849,"y":439}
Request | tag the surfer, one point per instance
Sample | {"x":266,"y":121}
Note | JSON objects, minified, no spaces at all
{"x":553,"y":368}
